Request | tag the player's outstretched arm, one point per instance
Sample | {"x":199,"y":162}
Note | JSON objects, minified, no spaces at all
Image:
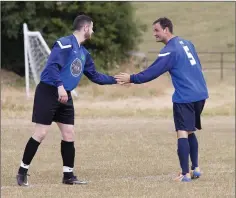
{"x":94,"y":76}
{"x":161,"y":65}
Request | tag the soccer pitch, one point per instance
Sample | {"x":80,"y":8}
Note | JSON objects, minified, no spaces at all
{"x":121,"y":157}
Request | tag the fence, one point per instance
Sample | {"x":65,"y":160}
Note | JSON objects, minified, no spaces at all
{"x":209,"y":60}
{"x":221,"y":60}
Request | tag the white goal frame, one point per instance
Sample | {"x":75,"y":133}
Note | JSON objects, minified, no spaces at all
{"x":29,"y":61}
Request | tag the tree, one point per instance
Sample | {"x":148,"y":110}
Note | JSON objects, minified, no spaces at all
{"x":116,"y":30}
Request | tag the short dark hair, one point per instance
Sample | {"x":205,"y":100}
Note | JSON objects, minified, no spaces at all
{"x":164,"y":22}
{"x":80,"y":20}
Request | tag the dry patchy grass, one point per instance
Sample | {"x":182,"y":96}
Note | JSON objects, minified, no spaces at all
{"x":125,"y":144}
{"x":147,"y":100}
{"x":121,"y":157}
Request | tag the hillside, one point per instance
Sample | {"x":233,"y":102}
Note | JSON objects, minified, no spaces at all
{"x":209,"y":25}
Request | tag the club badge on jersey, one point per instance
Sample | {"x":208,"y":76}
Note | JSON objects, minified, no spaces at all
{"x":76,"y":67}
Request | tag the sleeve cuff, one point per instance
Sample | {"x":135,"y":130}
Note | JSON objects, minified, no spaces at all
{"x":114,"y":80}
{"x":59,"y":84}
{"x":132,"y":78}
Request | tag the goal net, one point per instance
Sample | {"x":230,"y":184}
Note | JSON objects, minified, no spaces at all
{"x":36,"y":53}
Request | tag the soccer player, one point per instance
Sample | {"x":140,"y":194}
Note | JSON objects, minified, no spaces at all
{"x":180,"y":59}
{"x":68,"y":61}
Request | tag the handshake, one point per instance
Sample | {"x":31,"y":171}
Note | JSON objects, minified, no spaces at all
{"x":122,"y":78}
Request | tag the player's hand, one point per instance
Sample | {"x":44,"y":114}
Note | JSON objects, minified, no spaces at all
{"x":122,"y":78}
{"x":62,"y":95}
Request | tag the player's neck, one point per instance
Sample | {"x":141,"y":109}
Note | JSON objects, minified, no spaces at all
{"x":79,"y":37}
{"x":169,"y":38}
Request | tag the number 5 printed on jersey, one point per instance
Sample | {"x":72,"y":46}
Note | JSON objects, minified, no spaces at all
{"x":188,"y":53}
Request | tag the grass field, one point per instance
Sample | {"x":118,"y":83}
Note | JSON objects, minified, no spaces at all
{"x":121,"y":157}
{"x":125,"y":144}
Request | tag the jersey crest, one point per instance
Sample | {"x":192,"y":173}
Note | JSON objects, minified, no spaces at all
{"x":76,"y":67}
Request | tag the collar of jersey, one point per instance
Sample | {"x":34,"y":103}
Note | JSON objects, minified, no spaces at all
{"x":75,"y":40}
{"x":172,"y":39}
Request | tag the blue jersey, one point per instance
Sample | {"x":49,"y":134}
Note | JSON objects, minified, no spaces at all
{"x":180,"y":59}
{"x":67,"y":63}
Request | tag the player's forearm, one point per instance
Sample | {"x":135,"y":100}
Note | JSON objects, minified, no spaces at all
{"x":143,"y":77}
{"x":100,"y":79}
{"x":103,"y":80}
{"x":153,"y":71}
{"x":106,"y":80}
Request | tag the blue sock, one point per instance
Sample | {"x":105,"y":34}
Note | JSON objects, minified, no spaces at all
{"x":183,"y":153}
{"x":193,"y":144}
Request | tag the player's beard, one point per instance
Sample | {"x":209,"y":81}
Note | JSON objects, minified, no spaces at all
{"x":87,"y":35}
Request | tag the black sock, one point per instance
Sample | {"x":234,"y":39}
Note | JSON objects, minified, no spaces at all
{"x":193,"y":144}
{"x":183,"y":153}
{"x":30,"y":150}
{"x":68,"y":157}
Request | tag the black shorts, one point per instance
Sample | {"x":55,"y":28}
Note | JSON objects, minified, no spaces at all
{"x":187,"y":116}
{"x":47,"y":108}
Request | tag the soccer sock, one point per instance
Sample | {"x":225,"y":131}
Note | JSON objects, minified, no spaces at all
{"x":183,"y":153}
{"x":30,"y":150}
{"x":193,"y":144}
{"x":68,"y":156}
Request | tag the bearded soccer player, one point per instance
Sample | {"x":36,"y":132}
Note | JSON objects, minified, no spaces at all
{"x":180,"y":59}
{"x":68,"y":61}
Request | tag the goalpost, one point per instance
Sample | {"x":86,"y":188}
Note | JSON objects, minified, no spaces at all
{"x":36,"y":52}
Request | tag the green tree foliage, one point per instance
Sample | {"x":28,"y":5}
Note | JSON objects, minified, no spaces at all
{"x":116,"y":30}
